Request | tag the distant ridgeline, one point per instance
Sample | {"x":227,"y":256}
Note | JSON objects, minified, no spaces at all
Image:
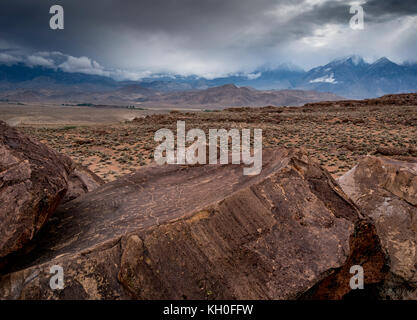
{"x":350,"y":77}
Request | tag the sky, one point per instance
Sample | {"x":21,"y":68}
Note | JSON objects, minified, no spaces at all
{"x":131,"y":39}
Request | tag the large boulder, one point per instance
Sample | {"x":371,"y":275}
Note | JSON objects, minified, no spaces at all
{"x":386,"y":190}
{"x":33,"y":180}
{"x":204,"y":232}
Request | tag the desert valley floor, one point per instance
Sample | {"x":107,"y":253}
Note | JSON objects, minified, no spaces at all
{"x":112,"y":142}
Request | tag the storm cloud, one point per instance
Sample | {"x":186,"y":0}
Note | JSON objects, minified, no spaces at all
{"x":131,"y":39}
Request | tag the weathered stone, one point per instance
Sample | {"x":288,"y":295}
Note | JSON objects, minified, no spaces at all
{"x":392,"y":151}
{"x":198,"y":232}
{"x":81,"y":181}
{"x":386,"y":190}
{"x":33,"y":180}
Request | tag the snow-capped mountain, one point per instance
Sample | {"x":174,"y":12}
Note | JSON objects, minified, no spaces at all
{"x":352,"y":77}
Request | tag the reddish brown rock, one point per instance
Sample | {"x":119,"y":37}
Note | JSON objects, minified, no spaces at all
{"x":386,"y":190}
{"x":81,"y":181}
{"x":203,"y":232}
{"x":392,"y":151}
{"x":33,"y":180}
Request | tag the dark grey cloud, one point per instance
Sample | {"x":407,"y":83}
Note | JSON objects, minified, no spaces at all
{"x":390,"y":9}
{"x":205,"y":37}
{"x":375,"y":10}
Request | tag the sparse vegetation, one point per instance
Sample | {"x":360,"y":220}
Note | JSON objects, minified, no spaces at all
{"x":336,"y":136}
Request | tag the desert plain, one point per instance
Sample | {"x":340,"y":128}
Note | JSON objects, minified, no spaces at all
{"x":114,"y":141}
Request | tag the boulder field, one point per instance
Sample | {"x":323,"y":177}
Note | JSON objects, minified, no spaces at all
{"x":204,"y":232}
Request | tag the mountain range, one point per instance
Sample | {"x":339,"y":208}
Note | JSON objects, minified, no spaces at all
{"x":351,"y":77}
{"x":233,"y":96}
{"x":228,"y":95}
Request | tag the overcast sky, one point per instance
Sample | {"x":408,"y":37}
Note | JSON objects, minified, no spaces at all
{"x":134,"y":38}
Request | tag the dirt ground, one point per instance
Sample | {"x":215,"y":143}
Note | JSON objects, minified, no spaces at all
{"x":51,"y":115}
{"x":115,"y":142}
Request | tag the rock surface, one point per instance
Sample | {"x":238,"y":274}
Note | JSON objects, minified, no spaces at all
{"x":204,"y":232}
{"x":386,"y":190}
{"x":81,"y":181}
{"x":33,"y":180}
